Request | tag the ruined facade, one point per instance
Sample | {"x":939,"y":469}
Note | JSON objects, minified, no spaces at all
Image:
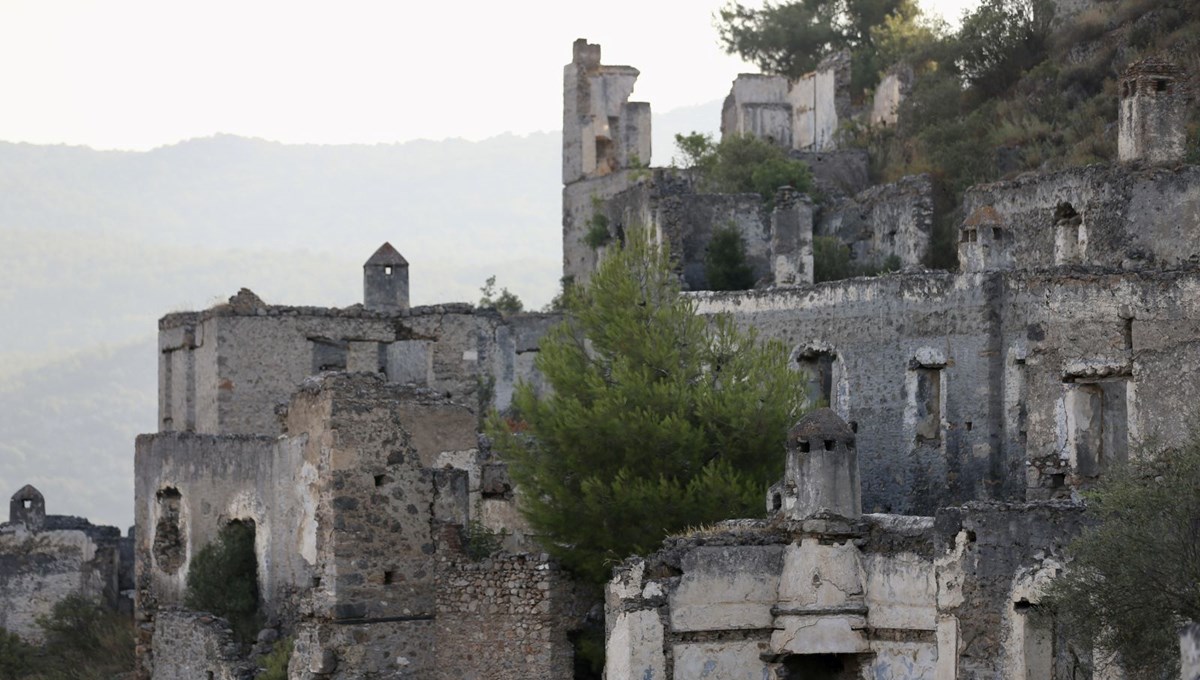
{"x":348,"y":439}
{"x":46,"y":558}
{"x":919,"y":516}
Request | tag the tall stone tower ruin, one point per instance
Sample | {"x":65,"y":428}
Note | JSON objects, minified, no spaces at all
{"x":385,"y":280}
{"x":1153,"y":114}
{"x":602,"y":130}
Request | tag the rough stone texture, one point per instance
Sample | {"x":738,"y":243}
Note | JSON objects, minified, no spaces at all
{"x":385,"y":280}
{"x":1126,"y":218}
{"x":224,"y":371}
{"x":45,"y":558}
{"x":504,"y":617}
{"x":890,"y":220}
{"x":1155,"y":99}
{"x":602,"y":130}
{"x":198,"y":645}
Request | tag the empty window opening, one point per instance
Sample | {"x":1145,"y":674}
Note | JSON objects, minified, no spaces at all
{"x":389,"y":577}
{"x":1098,"y":425}
{"x":380,"y":480}
{"x":169,"y":536}
{"x":821,"y":666}
{"x":27,"y":503}
{"x":804,"y":447}
{"x":829,"y":444}
{"x":776,"y":501}
{"x":329,"y":354}
{"x":969,"y":236}
{"x":387,"y":271}
{"x":1160,"y":85}
{"x":316,"y":582}
{"x":969,"y":426}
{"x":818,"y":366}
{"x":997,"y":233}
{"x":928,"y":405}
{"x":854,"y":426}
{"x":1127,"y":332}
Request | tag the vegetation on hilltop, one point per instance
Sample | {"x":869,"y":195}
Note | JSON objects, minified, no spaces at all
{"x":1012,"y":90}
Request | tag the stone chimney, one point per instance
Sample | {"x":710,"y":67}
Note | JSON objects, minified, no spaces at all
{"x":385,"y":281}
{"x":1153,"y":113}
{"x":822,"y":468}
{"x":28,"y":507}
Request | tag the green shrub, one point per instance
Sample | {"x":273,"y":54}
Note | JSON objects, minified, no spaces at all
{"x":85,"y":640}
{"x":1131,"y":579}
{"x":275,"y":664}
{"x":725,"y":266}
{"x":223,"y":579}
{"x":16,"y":656}
{"x":505,"y":302}
{"x":480,"y":542}
{"x":742,"y":164}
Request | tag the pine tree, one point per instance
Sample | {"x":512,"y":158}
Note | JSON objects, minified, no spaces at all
{"x":658,"y":419}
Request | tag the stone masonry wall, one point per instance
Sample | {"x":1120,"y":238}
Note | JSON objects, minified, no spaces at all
{"x":197,"y":645}
{"x":38,"y":568}
{"x":884,"y":221}
{"x":225,"y":370}
{"x":504,"y":617}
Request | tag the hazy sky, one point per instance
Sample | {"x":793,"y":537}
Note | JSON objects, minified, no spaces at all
{"x":135,"y":74}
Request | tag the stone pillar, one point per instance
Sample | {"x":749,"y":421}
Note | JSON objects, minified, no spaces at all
{"x":1153,"y":113}
{"x":385,"y":281}
{"x":792,"y":239}
{"x":822,"y":468}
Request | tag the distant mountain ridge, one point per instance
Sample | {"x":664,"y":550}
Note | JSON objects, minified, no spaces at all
{"x":99,"y":244}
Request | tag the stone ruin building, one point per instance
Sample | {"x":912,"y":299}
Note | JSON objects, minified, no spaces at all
{"x":45,"y":558}
{"x":919,"y":514}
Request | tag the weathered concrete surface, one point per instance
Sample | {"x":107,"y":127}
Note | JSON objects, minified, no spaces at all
{"x":1155,"y":103}
{"x":725,"y":588}
{"x":634,"y":647}
{"x":1189,"y":651}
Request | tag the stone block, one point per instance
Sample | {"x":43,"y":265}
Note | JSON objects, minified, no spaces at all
{"x":727,"y":660}
{"x":634,"y":649}
{"x":725,"y":588}
{"x":820,"y":634}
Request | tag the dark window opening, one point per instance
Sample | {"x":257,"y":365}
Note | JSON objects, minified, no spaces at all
{"x":997,"y":233}
{"x":169,"y":536}
{"x":820,"y":667}
{"x":818,"y":366}
{"x":829,"y":444}
{"x":380,"y":480}
{"x":776,"y":501}
{"x":1160,"y":85}
{"x":804,"y":447}
{"x":969,"y":425}
{"x":969,"y":236}
{"x":389,"y":577}
{"x":316,"y":582}
{"x":854,"y":426}
{"x":928,"y":406}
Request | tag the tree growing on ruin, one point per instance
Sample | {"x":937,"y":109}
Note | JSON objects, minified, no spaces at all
{"x":791,"y":38}
{"x":725,"y":264}
{"x":658,"y":419}
{"x":1134,"y":576}
{"x":223,"y":579}
{"x":741,"y":164}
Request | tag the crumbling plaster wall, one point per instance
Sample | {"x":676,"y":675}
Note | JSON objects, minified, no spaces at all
{"x":41,"y":566}
{"x":893,"y":596}
{"x":883,"y":221}
{"x":881,"y":333}
{"x":225,"y":370}
{"x":1117,"y":217}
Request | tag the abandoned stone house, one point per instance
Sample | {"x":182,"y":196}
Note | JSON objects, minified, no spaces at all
{"x":910,"y":539}
{"x":45,"y":558}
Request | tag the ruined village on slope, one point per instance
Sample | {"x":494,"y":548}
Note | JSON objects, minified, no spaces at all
{"x":919,"y":517}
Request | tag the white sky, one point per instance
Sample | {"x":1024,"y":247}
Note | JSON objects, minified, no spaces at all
{"x":136,"y":74}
